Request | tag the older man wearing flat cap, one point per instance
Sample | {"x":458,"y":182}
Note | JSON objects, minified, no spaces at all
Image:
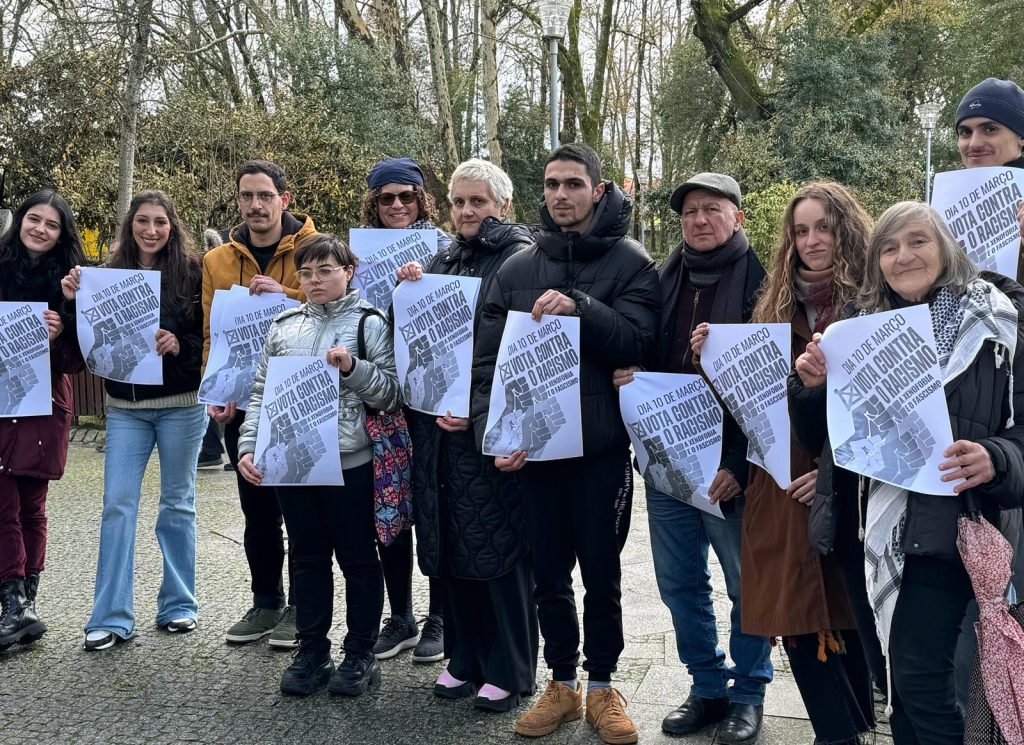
{"x":712,"y":276}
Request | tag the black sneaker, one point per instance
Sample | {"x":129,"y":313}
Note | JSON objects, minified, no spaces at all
{"x":431,"y":645}
{"x":310,"y":669}
{"x":355,"y":674}
{"x":208,"y":461}
{"x":394,"y":637}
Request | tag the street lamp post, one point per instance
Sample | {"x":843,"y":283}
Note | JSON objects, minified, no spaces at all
{"x":928,"y":113}
{"x":554,"y":21}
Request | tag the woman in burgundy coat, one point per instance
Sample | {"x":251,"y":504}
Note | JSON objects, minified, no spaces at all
{"x":39,"y":249}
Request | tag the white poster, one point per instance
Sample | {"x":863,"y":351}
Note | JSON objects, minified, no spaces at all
{"x":675,"y":425}
{"x":980,"y":207}
{"x":535,"y":396}
{"x":747,"y":365}
{"x":238,"y":328}
{"x":887,"y":412}
{"x":297,"y":437}
{"x":381,"y":251}
{"x":434,"y":342}
{"x":118,"y":314}
{"x":24,"y":360}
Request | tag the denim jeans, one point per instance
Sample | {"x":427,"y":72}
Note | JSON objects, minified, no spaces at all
{"x":680,"y":536}
{"x":131,"y":435}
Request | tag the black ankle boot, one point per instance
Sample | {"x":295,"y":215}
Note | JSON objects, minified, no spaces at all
{"x":19,"y":623}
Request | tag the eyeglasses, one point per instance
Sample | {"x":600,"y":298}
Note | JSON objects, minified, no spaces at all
{"x":323,"y":273}
{"x":263,"y":197}
{"x":405,"y":197}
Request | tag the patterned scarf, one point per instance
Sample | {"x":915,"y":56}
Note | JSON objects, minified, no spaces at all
{"x":815,"y":289}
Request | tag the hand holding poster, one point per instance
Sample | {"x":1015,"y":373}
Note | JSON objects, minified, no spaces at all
{"x":381,"y":251}
{"x":118,"y":312}
{"x":24,"y":360}
{"x":887,"y":413}
{"x":675,"y":425}
{"x":238,"y":329}
{"x":747,"y":365}
{"x":434,"y":342}
{"x":535,"y":397}
{"x":297,"y":436}
{"x":980,"y":207}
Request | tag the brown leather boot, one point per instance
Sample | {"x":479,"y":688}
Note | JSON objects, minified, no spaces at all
{"x":606,"y":711}
{"x":557,"y":704}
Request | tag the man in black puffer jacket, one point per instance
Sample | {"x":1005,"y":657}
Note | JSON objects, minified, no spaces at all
{"x":583,"y":264}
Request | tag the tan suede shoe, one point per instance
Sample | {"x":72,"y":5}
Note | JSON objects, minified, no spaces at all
{"x":606,"y":711}
{"x":556,"y":705}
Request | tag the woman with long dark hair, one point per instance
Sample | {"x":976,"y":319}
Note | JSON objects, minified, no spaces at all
{"x":141,"y":416}
{"x":40,"y":247}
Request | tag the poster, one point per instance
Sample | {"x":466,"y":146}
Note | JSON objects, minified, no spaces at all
{"x":887,"y":413}
{"x":747,"y":365}
{"x":118,"y":313}
{"x":434,"y":342}
{"x":535,"y":396}
{"x":24,"y":360}
{"x":238,"y":328}
{"x":980,"y":207}
{"x":381,"y":251}
{"x":297,"y":436}
{"x":675,"y":425}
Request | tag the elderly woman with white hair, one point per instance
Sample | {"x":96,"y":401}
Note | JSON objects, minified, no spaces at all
{"x":913,"y":259}
{"x":469,"y":515}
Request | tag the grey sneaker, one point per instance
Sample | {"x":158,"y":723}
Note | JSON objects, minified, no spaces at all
{"x":394,"y":637}
{"x":255,"y":624}
{"x":431,"y":644}
{"x":283,"y":635}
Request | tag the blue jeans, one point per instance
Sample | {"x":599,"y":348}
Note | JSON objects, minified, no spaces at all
{"x":131,"y":435}
{"x":680,"y":536}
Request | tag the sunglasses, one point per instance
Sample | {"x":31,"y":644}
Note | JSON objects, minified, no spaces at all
{"x":405,"y":197}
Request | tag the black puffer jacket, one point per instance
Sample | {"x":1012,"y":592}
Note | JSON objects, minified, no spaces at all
{"x":618,"y":329}
{"x":979,"y":407}
{"x":469,"y":515}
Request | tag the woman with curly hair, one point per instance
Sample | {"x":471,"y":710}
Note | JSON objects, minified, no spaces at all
{"x":789,"y":590}
{"x":40,"y":247}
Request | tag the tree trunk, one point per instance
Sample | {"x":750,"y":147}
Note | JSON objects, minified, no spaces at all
{"x":592,"y":120}
{"x":489,"y":83}
{"x":353,"y":20}
{"x":386,"y":14}
{"x":440,"y":80}
{"x":132,"y":105}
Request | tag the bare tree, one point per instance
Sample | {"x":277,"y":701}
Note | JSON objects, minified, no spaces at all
{"x":132,"y":105}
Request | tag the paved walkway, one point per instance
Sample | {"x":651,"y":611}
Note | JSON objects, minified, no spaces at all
{"x":195,"y":688}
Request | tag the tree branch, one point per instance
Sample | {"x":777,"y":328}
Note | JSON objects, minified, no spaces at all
{"x":738,"y":13}
{"x":222,"y":39}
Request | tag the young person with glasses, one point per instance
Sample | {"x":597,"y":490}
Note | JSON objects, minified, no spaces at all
{"x":259,"y":254}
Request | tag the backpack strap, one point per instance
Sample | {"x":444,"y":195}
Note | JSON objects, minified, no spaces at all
{"x":364,"y":313}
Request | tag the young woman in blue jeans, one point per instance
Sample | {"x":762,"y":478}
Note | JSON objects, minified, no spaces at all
{"x":141,"y":416}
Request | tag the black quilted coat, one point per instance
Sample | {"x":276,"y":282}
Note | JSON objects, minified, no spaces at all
{"x":469,"y":515}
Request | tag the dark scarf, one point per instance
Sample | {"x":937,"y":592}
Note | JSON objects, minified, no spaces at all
{"x":722,"y":266}
{"x":816,"y":290}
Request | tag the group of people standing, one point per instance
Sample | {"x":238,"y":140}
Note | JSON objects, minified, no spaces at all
{"x":499,"y":537}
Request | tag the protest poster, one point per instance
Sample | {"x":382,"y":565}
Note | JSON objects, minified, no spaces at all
{"x":747,"y":365}
{"x":434,"y":342}
{"x":980,"y":207}
{"x":381,"y":251}
{"x":238,"y":329}
{"x":535,"y":396}
{"x":24,"y":360}
{"x":118,"y":312}
{"x":887,"y":413}
{"x":675,"y":425}
{"x":297,"y":435}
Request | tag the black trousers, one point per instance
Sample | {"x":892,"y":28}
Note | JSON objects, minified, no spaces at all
{"x":837,"y":692}
{"x":578,"y":509}
{"x":490,"y":633}
{"x":925,"y":628}
{"x":396,"y":561}
{"x":335,"y":520}
{"x":212,"y":447}
{"x":263,"y":538}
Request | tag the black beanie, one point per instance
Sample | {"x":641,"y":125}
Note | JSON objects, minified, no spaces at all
{"x":999,"y":100}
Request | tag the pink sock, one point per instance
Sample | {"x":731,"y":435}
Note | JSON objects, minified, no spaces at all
{"x":448,"y":680}
{"x":493,"y":692}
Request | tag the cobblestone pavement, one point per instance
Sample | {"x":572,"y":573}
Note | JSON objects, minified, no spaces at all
{"x":164,"y":689}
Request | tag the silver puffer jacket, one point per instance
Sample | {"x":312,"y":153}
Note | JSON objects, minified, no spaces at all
{"x":311,"y":330}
